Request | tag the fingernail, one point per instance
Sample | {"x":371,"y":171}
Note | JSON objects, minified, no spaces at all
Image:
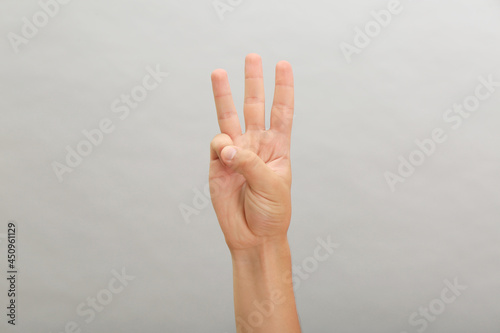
{"x":229,"y":153}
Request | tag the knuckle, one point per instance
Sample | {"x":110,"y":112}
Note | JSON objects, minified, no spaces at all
{"x":226,"y":115}
{"x":253,"y":100}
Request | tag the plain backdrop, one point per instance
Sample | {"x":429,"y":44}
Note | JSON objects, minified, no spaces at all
{"x":121,"y":207}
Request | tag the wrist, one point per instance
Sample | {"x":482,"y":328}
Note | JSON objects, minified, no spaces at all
{"x":268,"y":264}
{"x":276,"y":247}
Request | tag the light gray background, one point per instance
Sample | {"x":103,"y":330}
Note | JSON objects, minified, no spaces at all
{"x":120,"y":207}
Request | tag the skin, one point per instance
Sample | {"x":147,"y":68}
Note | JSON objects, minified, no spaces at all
{"x":250,"y":193}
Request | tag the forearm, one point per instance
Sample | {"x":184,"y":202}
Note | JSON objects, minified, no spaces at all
{"x":263,"y":291}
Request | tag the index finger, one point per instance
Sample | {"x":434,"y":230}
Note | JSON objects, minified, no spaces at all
{"x":226,"y":111}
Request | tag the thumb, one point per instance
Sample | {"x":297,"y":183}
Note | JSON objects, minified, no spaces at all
{"x":257,"y":174}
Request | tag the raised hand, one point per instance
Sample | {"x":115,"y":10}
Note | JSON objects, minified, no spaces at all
{"x":250,"y":173}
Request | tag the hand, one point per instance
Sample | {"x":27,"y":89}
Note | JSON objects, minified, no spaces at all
{"x":251,"y":191}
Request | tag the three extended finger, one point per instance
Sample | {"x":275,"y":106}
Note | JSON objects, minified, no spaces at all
{"x":226,"y":111}
{"x":283,"y":104}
